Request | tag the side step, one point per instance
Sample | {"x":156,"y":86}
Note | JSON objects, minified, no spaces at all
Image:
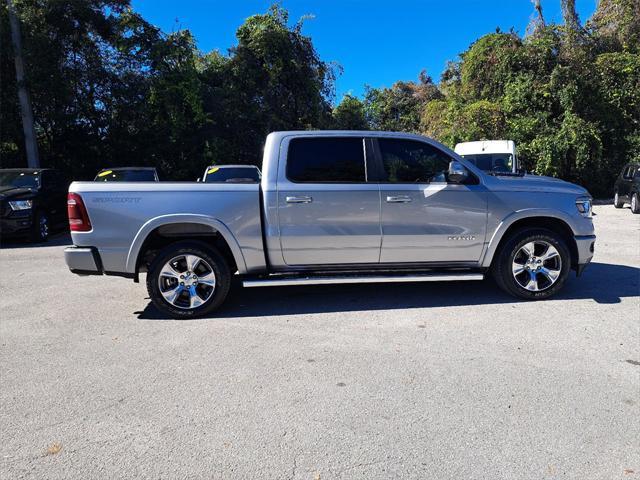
{"x":280,"y":280}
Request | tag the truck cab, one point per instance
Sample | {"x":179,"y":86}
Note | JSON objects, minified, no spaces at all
{"x":491,"y":156}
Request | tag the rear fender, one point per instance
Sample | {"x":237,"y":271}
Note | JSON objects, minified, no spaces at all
{"x":215,"y":224}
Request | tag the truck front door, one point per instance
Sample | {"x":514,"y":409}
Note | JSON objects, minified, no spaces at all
{"x":424,"y":217}
{"x":327,"y":212}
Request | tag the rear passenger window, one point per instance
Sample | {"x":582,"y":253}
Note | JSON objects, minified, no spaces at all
{"x":410,"y":161}
{"x":326,"y":160}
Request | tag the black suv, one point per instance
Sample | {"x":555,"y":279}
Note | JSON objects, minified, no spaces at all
{"x":32,"y":202}
{"x":627,"y":187}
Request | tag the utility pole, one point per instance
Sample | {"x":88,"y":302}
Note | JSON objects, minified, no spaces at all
{"x":538,"y":6}
{"x":570,"y":15}
{"x":30,"y":140}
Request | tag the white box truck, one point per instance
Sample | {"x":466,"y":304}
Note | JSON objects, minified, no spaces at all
{"x":490,"y":155}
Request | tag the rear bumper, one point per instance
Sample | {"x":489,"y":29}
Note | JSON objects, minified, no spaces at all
{"x":586,"y":247}
{"x":83,"y":260}
{"x":87,"y":261}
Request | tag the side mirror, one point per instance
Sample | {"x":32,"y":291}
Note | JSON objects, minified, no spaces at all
{"x":457,"y":172}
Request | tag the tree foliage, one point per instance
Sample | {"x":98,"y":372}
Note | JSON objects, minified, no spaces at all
{"x":110,"y":89}
{"x":350,"y":114}
{"x":568,"y":95}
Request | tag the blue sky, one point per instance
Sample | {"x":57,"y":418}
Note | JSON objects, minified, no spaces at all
{"x":376,"y":42}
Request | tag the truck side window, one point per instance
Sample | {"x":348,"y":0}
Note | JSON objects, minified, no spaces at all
{"x":410,"y":161}
{"x":326,"y":160}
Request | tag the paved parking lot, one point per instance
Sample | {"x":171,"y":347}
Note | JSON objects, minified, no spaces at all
{"x":386,"y":381}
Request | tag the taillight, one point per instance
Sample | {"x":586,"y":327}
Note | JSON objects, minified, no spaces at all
{"x":78,"y":217}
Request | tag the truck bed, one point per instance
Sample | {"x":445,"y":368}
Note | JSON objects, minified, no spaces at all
{"x":123,"y":214}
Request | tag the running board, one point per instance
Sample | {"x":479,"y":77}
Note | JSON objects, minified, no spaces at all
{"x":280,"y":281}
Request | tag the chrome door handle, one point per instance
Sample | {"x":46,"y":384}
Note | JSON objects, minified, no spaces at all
{"x":399,"y":199}
{"x":303,"y":199}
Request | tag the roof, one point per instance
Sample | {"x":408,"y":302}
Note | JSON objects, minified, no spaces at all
{"x":24,"y":169}
{"x":116,"y":169}
{"x":233,"y":166}
{"x":485,"y":146}
{"x":347,"y":133}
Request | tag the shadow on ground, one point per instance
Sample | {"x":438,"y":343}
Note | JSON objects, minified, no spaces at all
{"x":604,"y":283}
{"x":55,"y":240}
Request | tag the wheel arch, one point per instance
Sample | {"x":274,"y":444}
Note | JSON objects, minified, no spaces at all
{"x":161,"y":231}
{"x":548,"y":220}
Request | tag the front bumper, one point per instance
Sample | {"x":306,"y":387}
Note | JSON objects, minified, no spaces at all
{"x":586,"y":247}
{"x":15,"y":225}
{"x":83,"y":260}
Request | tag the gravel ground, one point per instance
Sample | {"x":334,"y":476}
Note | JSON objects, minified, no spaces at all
{"x":451,"y":380}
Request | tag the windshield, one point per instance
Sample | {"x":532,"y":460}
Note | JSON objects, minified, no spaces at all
{"x":126,"y":176}
{"x":491,"y":162}
{"x":20,"y":179}
{"x":233,"y":174}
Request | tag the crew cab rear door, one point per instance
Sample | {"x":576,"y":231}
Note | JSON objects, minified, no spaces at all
{"x":425,"y":218}
{"x":327,"y":212}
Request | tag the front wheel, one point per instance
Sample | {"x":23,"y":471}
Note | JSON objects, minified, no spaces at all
{"x":533,"y":264}
{"x":617,"y":201}
{"x":188,"y":279}
{"x":40,"y":229}
{"x":635,"y":203}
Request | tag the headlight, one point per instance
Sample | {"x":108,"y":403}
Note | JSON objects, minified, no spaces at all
{"x":21,"y":204}
{"x":584,"y":206}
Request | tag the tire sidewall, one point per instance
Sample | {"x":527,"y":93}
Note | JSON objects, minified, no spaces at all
{"x":634,"y":200}
{"x":514,"y":245}
{"x":616,"y":201}
{"x":207,"y":253}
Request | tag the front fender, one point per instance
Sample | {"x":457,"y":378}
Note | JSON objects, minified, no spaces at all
{"x":215,"y":224}
{"x":513,"y":217}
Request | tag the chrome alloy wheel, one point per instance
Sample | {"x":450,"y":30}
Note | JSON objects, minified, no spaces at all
{"x":187,"y":281}
{"x":536,"y":266}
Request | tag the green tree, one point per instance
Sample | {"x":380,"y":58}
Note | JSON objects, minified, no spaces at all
{"x":399,"y":107}
{"x":349,"y":114}
{"x":273,"y":79}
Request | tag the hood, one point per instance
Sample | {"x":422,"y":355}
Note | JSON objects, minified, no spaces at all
{"x":8,"y":192}
{"x":535,"y":183}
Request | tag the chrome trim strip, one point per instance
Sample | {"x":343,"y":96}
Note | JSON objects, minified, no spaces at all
{"x":323,"y":280}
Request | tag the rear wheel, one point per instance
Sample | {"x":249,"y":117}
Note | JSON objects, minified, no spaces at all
{"x":635,"y":203}
{"x":617,"y":201}
{"x":188,"y":279}
{"x":533,"y":264}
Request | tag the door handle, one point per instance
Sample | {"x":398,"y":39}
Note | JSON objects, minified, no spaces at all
{"x":302,"y":199}
{"x":399,"y":199}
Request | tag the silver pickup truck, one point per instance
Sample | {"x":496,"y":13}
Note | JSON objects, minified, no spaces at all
{"x":334,"y":207}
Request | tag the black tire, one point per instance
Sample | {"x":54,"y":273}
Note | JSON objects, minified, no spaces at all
{"x":502,"y":272}
{"x":40,"y":228}
{"x":635,"y":203}
{"x":617,"y":201}
{"x":215,"y":261}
